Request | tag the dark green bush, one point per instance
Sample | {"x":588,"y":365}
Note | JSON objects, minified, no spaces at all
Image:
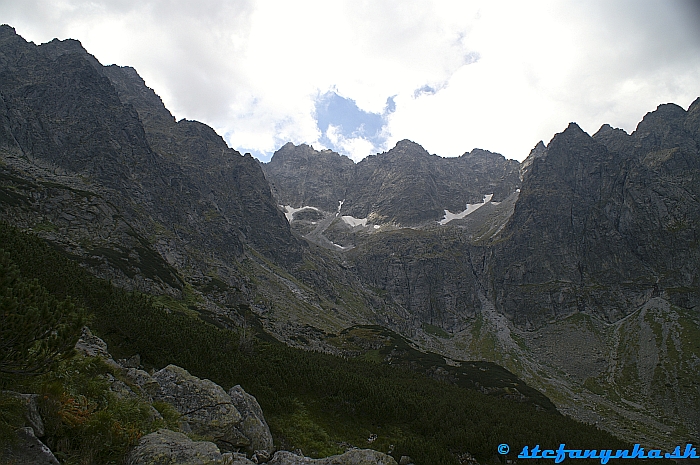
{"x":85,"y":421}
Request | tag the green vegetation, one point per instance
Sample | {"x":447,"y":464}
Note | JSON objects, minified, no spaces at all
{"x":86,"y":422}
{"x":186,"y":305}
{"x":313,"y":401}
{"x":37,"y":330}
{"x":11,"y":417}
{"x":211,"y":214}
{"x":436,"y":331}
{"x":45,"y":226}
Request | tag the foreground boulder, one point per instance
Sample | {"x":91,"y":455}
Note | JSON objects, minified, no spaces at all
{"x":351,"y":457}
{"x":165,"y":447}
{"x":92,"y":346}
{"x":143,"y":380}
{"x":206,"y":409}
{"x":253,"y":424}
{"x":27,"y":450}
{"x":30,"y":404}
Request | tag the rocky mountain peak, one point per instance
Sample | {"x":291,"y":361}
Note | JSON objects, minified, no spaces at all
{"x":605,"y":130}
{"x":8,"y":32}
{"x":538,"y":149}
{"x":132,"y":89}
{"x":303,"y":153}
{"x":325,"y":178}
{"x":289,"y":147}
{"x":58,"y":47}
{"x":665,"y":115}
{"x":403,"y":186}
{"x":567,"y":150}
{"x":481,"y":154}
{"x":74,"y":117}
{"x":537,"y":152}
{"x":663,"y":128}
{"x":615,"y":139}
{"x":573,"y":128}
{"x":580,"y":192}
{"x":408,"y":144}
{"x":406,"y":148}
{"x":692,"y":122}
{"x":13,"y":42}
{"x":695,"y":106}
{"x":667,"y":111}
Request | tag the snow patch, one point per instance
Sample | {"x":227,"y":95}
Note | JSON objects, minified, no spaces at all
{"x":340,"y":205}
{"x":353,"y":222}
{"x":471,"y":208}
{"x":289,"y":211}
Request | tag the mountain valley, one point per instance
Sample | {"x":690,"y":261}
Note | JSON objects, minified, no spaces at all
{"x":575,"y":273}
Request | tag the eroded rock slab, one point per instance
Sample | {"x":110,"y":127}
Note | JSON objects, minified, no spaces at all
{"x":206,"y":409}
{"x":165,"y":447}
{"x":28,"y":450}
{"x":31,"y":411}
{"x":253,"y":425}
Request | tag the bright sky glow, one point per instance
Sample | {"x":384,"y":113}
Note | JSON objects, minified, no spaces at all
{"x":357,"y":77}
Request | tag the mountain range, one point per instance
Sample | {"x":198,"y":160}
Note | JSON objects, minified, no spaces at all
{"x":577,"y":269}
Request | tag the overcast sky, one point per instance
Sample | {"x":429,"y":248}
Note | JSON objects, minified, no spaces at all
{"x":358,"y":76}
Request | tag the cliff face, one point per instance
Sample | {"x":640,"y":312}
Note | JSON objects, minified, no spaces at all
{"x":301,"y":176}
{"x":172,"y":191}
{"x":405,"y":186}
{"x":604,"y":223}
{"x":431,"y":276}
{"x":232,"y":186}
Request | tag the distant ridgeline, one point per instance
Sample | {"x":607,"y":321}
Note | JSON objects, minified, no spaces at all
{"x":576,"y":270}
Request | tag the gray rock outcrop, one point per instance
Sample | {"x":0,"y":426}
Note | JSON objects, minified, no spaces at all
{"x":112,"y":123}
{"x":206,"y":409}
{"x":28,"y":450}
{"x":165,"y":447}
{"x":253,"y":424}
{"x":31,"y":411}
{"x":142,"y":379}
{"x":603,"y":223}
{"x":91,"y":345}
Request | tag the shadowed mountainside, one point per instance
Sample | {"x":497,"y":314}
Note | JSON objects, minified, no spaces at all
{"x":405,"y":186}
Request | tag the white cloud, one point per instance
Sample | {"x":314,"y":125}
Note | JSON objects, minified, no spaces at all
{"x":356,"y":148}
{"x":545,"y":64}
{"x":253,"y":69}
